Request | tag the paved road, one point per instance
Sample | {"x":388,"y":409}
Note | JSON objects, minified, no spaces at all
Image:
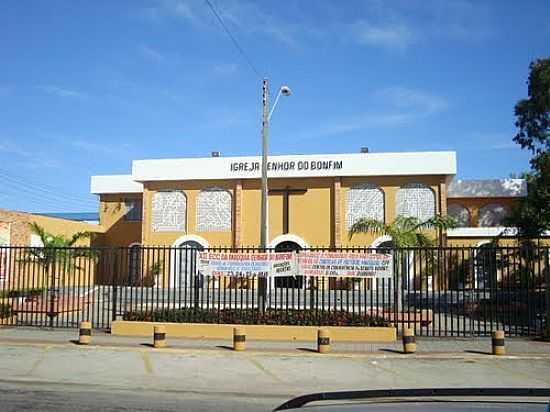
{"x":77,"y":398}
{"x":67,"y":377}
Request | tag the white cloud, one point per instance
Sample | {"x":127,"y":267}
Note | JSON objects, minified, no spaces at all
{"x":225,"y":69}
{"x":152,"y":54}
{"x":397,"y":25}
{"x":10,"y":148}
{"x":100,"y":147}
{"x":61,"y":91}
{"x":395,"y":107}
{"x":245,"y":16}
{"x":32,"y":159}
{"x":414,"y":101}
{"x":391,"y":35}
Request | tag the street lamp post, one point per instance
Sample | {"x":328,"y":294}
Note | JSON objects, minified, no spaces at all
{"x":266,"y":116}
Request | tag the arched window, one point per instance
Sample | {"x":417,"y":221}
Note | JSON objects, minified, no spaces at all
{"x":214,"y":210}
{"x":169,"y":211}
{"x":460,"y":214}
{"x":364,"y":201}
{"x":417,"y":200}
{"x":492,"y":215}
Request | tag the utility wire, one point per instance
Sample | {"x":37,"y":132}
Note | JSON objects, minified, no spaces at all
{"x":40,"y":187}
{"x":233,"y":39}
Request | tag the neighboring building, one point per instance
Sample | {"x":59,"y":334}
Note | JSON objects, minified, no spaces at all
{"x":313,"y":200}
{"x":15,"y":228}
{"x":480,"y":207}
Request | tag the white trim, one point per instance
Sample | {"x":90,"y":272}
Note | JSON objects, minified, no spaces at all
{"x":378,"y":241}
{"x":288,"y":238}
{"x":476,"y":251}
{"x":114,"y":184}
{"x":247,"y":167}
{"x":190,"y":238}
{"x":175,"y":269}
{"x":134,"y":244}
{"x":481,"y":231}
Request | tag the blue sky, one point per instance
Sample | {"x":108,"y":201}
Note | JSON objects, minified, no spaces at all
{"x":85,"y":87}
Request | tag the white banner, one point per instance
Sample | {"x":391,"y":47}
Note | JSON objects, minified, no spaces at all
{"x":246,"y":264}
{"x":345,"y":264}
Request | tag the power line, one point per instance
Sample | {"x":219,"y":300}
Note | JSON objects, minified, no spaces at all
{"x":233,"y":39}
{"x":41,"y":187}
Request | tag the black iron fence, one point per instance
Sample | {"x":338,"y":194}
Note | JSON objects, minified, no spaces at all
{"x":450,"y":291}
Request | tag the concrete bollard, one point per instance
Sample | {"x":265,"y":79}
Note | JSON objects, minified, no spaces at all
{"x":239,"y":339}
{"x":498,"y":343}
{"x":159,"y":336}
{"x":323,"y":341}
{"x":85,"y":333}
{"x":409,"y":340}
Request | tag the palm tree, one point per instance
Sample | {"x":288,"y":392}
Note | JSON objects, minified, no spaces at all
{"x":58,"y":254}
{"x":405,"y":231}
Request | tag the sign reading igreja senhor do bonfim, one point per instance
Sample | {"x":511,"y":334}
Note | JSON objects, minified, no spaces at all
{"x":331,"y":264}
{"x":286,"y":165}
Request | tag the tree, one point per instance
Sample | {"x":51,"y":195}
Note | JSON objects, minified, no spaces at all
{"x":532,"y":217}
{"x":406,"y":231}
{"x":58,"y":254}
{"x":533,"y":113}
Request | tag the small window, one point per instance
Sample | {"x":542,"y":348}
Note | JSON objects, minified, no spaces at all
{"x":133,"y":210}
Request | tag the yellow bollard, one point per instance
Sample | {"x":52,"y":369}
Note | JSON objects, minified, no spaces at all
{"x":409,"y":340}
{"x":159,"y":336}
{"x":85,"y":333}
{"x":498,"y":343}
{"x":239,"y":339}
{"x":323,"y":341}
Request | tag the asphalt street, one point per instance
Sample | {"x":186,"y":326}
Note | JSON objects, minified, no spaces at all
{"x":68,"y":377}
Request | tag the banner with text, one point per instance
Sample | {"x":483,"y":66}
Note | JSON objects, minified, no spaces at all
{"x":246,"y":264}
{"x":345,"y":264}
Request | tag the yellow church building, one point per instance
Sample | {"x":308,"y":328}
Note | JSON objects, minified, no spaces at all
{"x":313,"y":200}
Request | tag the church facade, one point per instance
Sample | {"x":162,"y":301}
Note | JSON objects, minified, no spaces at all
{"x":313,"y":200}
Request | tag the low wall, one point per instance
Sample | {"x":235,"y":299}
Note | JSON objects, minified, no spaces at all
{"x":255,"y":332}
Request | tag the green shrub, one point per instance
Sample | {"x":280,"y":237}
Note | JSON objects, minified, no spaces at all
{"x":21,"y":293}
{"x":309,"y":317}
{"x":5,"y":311}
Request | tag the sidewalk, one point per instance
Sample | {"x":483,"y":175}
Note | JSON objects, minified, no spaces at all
{"x":260,"y":378}
{"x":455,"y":347}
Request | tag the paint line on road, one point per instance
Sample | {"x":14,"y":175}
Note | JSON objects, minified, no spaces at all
{"x":515,"y":371}
{"x":147,"y":363}
{"x":261,"y":367}
{"x":39,"y":361}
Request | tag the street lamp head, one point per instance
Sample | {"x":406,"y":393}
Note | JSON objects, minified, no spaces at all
{"x":285,"y":91}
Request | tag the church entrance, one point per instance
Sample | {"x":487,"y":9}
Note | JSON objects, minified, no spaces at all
{"x":187,"y":274}
{"x":289,"y":281}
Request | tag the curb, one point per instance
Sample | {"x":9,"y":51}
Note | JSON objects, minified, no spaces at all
{"x":295,"y":353}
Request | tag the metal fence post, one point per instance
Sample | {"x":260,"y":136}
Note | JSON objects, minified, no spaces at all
{"x":114,"y":301}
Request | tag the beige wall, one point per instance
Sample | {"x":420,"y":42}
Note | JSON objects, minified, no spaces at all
{"x":311,"y":215}
{"x":474,"y":204}
{"x":117,"y":231}
{"x":21,"y":230}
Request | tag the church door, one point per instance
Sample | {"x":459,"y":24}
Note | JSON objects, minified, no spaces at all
{"x":288,"y":281}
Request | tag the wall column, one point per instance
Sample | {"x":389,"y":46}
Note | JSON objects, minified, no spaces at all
{"x":145,"y":217}
{"x":337,"y":218}
{"x":443,"y":209}
{"x":237,"y":214}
